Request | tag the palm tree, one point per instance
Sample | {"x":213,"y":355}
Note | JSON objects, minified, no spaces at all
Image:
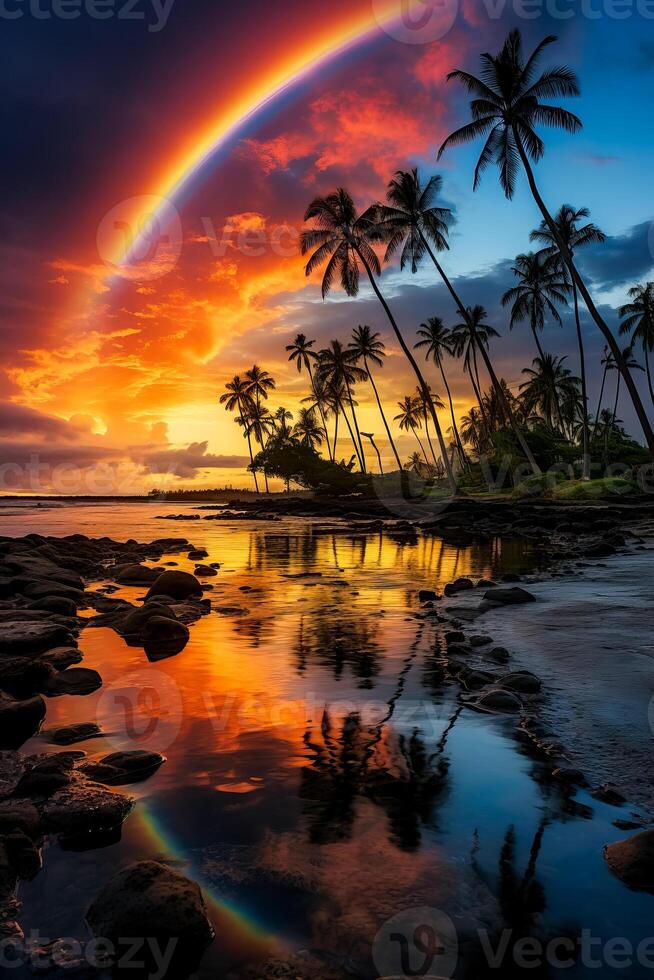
{"x":475,"y":334}
{"x":343,"y":239}
{"x":279,"y":421}
{"x":371,"y":437}
{"x":236,"y":397}
{"x":540,"y":286}
{"x":411,"y":216}
{"x":258,"y":421}
{"x":505,"y":108}
{"x":573,"y":235}
{"x":471,"y":429}
{"x":300,"y":352}
{"x":437,"y":339}
{"x":608,"y":363}
{"x":370,"y":349}
{"x":437,"y":403}
{"x":260,"y":383}
{"x":307,"y":429}
{"x":548,"y":383}
{"x":464,"y":345}
{"x":416,"y":463}
{"x":410,"y":418}
{"x":638,"y":320}
{"x":337,"y":364}
{"x":628,"y":357}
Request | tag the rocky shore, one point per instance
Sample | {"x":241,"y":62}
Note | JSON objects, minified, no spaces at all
{"x":44,"y":585}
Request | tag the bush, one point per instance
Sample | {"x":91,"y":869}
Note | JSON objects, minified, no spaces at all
{"x":545,"y":485}
{"x":293,"y":462}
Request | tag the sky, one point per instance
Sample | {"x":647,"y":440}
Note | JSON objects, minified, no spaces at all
{"x":223,"y":121}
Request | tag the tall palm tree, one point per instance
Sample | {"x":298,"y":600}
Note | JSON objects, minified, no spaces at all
{"x":416,"y":463}
{"x":464,"y":345}
{"x":307,"y":429}
{"x":435,"y":336}
{"x":337,"y":364}
{"x":343,"y":239}
{"x":236,"y":397}
{"x":300,"y":352}
{"x":367,"y":346}
{"x":437,"y":403}
{"x":410,"y":418}
{"x":478,"y":333}
{"x":412,"y":217}
{"x":258,"y":421}
{"x":608,"y":363}
{"x":548,"y":384}
{"x":633,"y":365}
{"x":505,"y":109}
{"x":540,"y":286}
{"x":575,"y":236}
{"x":279,"y":422}
{"x":260,"y":383}
{"x":471,"y":429}
{"x":638,"y":321}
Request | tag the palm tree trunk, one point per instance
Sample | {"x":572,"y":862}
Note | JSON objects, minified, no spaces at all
{"x":412,"y":361}
{"x":457,"y":438}
{"x":374,"y":446}
{"x":247,"y":433}
{"x":649,"y":376}
{"x":474,"y":380}
{"x":381,"y":412}
{"x":585,"y":472}
{"x":599,"y":405}
{"x":617,"y":397}
{"x":320,"y":409}
{"x":336,"y":413}
{"x":356,"y":426}
{"x":349,"y":427}
{"x":431,"y":448}
{"x":415,"y":432}
{"x":588,"y":300}
{"x":503,"y":400}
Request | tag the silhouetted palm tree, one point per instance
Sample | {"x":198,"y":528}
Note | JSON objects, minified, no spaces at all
{"x":607,"y":362}
{"x":279,"y":423}
{"x":370,"y":349}
{"x":437,"y":403}
{"x":505,"y":109}
{"x":436,"y":338}
{"x":236,"y":397}
{"x":548,"y":384}
{"x":342,"y":239}
{"x":574,"y":236}
{"x":307,"y":429}
{"x":638,"y":321}
{"x":371,"y":437}
{"x":300,"y":352}
{"x":259,"y":422}
{"x":337,"y":364}
{"x":541,"y":286}
{"x":627,"y":354}
{"x":410,"y":418}
{"x":260,"y":383}
{"x":472,"y":428}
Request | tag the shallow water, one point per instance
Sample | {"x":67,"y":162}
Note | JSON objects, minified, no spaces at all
{"x":321,"y":775}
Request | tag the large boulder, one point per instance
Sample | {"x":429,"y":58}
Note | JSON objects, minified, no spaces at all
{"x":120,"y":768}
{"x":19,"y":719}
{"x":69,"y":734}
{"x":508,"y":597}
{"x":521,"y":681}
{"x":177,"y":585}
{"x":29,"y":638}
{"x":75,"y":680}
{"x":55,"y":604}
{"x":150,"y":900}
{"x":84,"y":807}
{"x":632,"y":861}
{"x":23,"y":676}
{"x":136,"y":575}
{"x":135,"y":621}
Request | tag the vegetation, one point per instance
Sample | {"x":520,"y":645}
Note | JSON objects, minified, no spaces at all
{"x":546,"y":420}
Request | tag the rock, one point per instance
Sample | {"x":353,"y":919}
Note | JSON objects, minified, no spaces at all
{"x":458,"y":650}
{"x":195,"y":554}
{"x":11,"y":770}
{"x":508,"y":597}
{"x":426,"y":595}
{"x":608,"y":794}
{"x":136,"y":575}
{"x":161,"y":633}
{"x":205,"y":571}
{"x":43,"y":590}
{"x":521,"y":681}
{"x":485,"y":583}
{"x":632,"y":861}
{"x":24,"y":856}
{"x":454,"y":636}
{"x":459,"y":585}
{"x":84,"y":807}
{"x":573,"y":777}
{"x":20,"y":815}
{"x":120,"y":768}
{"x":148,"y":899}
{"x":75,"y":680}
{"x":512,"y":577}
{"x":70,"y":734}
{"x":22,"y":677}
{"x":479,"y":640}
{"x":62,"y":657}
{"x":135,"y":621}
{"x":231,"y":610}
{"x":177,"y":585}
{"x":499,"y":701}
{"x":56,"y":604}
{"x":499,"y":654}
{"x":19,"y":720}
{"x":474,"y":679}
{"x":31,"y":638}
{"x":45,"y":777}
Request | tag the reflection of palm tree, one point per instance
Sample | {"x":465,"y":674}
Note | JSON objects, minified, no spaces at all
{"x":367,"y":346}
{"x":506,"y":106}
{"x":236,"y":398}
{"x":343,"y":239}
{"x":300,"y":352}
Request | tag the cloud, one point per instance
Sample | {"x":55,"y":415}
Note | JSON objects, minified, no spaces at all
{"x":188,"y":461}
{"x":622,"y":259}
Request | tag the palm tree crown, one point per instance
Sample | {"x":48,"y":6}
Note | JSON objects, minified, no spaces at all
{"x":540,"y":286}
{"x":340,"y":238}
{"x":411,"y":216}
{"x":506,"y":107}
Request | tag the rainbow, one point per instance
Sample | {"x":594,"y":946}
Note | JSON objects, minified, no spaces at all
{"x":178,"y":179}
